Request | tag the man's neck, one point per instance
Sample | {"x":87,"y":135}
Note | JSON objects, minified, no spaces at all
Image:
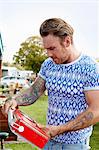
{"x":73,"y":56}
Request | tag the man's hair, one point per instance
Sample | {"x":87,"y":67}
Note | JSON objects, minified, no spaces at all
{"x":56,"y":27}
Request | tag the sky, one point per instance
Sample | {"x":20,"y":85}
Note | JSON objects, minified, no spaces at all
{"x":20,"y":19}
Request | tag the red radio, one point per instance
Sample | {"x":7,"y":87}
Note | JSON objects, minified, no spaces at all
{"x":21,"y":125}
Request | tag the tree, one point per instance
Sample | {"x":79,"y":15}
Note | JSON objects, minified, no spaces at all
{"x":31,"y":54}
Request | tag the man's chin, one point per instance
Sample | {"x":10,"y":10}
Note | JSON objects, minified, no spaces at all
{"x":56,"y":62}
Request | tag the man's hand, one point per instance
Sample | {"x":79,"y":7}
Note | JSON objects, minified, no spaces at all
{"x":9,"y":104}
{"x":51,"y":130}
{"x":54,"y":130}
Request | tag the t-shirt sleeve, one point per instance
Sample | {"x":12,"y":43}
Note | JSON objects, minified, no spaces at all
{"x":92,"y":79}
{"x":43,"y":69}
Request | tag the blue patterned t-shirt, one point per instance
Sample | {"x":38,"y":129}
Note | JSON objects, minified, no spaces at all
{"x":66,"y":84}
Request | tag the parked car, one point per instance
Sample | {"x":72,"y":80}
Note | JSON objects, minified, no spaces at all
{"x":11,"y":80}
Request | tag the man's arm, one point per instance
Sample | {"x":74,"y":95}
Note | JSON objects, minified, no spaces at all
{"x":26,"y":97}
{"x":83,"y":120}
{"x":30,"y":95}
{"x":91,"y":115}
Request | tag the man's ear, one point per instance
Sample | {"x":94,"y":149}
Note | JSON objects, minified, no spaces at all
{"x":67,"y":41}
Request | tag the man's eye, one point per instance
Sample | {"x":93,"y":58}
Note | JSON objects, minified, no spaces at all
{"x":52,"y":48}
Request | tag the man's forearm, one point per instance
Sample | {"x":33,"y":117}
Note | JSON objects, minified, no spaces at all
{"x":26,"y":98}
{"x":85,"y":119}
{"x":30,"y":95}
{"x":23,"y":98}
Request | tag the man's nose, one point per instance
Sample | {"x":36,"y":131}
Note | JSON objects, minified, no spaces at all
{"x":49,"y":53}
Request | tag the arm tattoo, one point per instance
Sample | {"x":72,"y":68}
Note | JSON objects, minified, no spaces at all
{"x":83,"y":122}
{"x":30,"y":95}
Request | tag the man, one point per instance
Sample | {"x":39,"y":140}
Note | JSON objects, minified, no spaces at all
{"x":72,"y":82}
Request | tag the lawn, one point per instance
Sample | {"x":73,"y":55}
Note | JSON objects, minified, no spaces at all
{"x":94,"y":142}
{"x":38,"y":111}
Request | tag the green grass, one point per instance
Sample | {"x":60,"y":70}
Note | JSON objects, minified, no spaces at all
{"x":20,"y":146}
{"x":38,"y":111}
{"x":94,"y":142}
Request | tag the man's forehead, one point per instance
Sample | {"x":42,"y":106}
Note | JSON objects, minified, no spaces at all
{"x":49,"y":44}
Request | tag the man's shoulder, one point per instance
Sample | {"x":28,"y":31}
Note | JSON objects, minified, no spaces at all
{"x":89,"y":63}
{"x":88,"y":59}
